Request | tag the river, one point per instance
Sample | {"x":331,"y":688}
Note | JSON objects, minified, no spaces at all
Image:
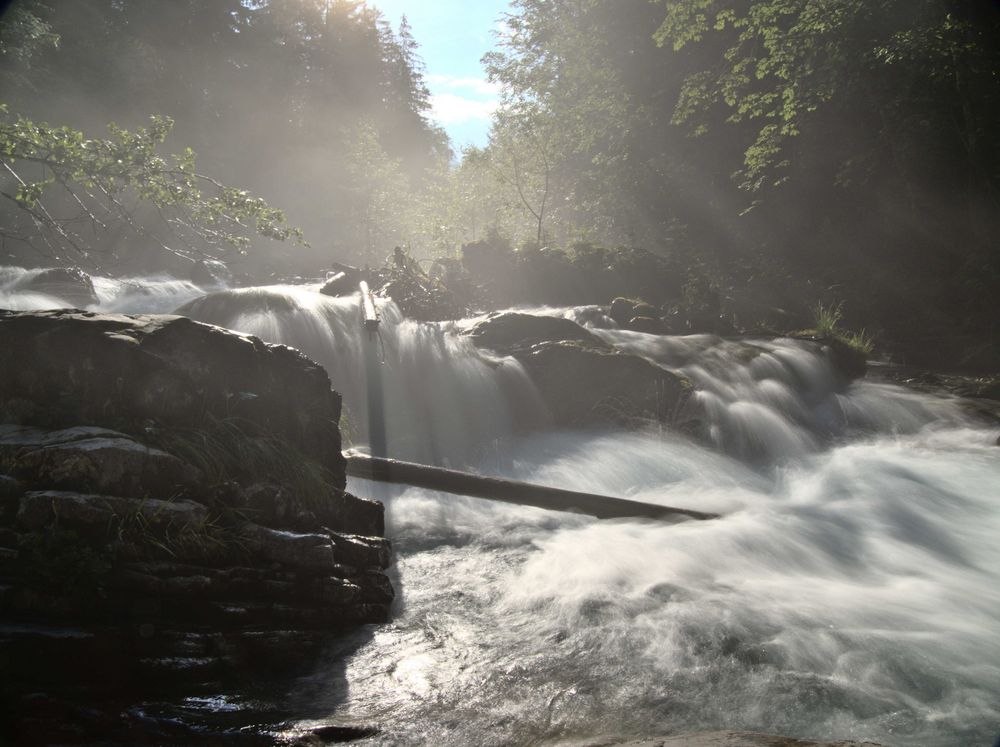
{"x":850,"y":589}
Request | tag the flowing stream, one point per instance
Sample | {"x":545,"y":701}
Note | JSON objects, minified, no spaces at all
{"x":851,"y":588}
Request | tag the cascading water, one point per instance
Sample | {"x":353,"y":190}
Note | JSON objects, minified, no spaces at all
{"x":443,"y":403}
{"x":150,"y":295}
{"x":850,"y":590}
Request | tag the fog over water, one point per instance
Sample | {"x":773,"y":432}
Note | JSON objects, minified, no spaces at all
{"x":851,"y":588}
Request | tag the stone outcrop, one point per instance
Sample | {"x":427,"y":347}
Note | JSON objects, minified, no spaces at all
{"x":582,"y":380}
{"x":513,"y":332}
{"x":588,"y":386}
{"x":120,"y":371}
{"x":133,"y":539}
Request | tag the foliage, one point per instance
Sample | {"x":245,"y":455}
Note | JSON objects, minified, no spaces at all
{"x":860,"y":341}
{"x":584,"y":273}
{"x":827,"y":318}
{"x":94,"y":183}
{"x":279,"y":96}
{"x":826,"y":323}
{"x":788,"y":64}
{"x":22,"y":35}
{"x":837,"y":143}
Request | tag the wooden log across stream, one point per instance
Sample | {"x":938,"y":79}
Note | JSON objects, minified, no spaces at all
{"x":508,"y":491}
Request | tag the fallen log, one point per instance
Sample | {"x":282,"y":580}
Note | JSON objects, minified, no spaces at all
{"x":508,"y":491}
{"x":368,"y":311}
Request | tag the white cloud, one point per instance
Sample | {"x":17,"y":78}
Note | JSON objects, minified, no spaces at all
{"x":480,"y":86}
{"x":449,"y":108}
{"x":456,"y":100}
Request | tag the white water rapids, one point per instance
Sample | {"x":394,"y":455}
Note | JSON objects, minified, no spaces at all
{"x":851,"y":589}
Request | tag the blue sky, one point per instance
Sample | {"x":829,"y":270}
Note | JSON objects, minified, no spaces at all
{"x":453,"y":35}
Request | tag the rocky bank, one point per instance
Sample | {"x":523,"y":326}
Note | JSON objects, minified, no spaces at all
{"x":172,"y":519}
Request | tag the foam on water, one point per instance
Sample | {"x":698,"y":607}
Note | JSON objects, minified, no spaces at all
{"x":151,"y":295}
{"x":851,"y":594}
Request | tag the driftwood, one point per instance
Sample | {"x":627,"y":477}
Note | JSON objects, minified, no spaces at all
{"x":508,"y":491}
{"x":368,"y":308}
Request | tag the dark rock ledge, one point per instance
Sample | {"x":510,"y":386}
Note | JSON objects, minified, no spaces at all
{"x":580,"y":378}
{"x":586,"y":382}
{"x":172,"y":521}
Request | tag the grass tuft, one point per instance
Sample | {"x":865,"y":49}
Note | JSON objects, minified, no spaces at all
{"x":232,"y":449}
{"x":826,"y":319}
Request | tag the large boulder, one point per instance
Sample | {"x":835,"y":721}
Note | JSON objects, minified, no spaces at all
{"x":70,"y":284}
{"x":584,"y":386}
{"x":122,"y":371}
{"x":509,"y":332}
{"x":583,"y":380}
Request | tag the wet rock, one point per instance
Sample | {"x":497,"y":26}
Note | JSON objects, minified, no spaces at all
{"x":68,"y":283}
{"x":109,"y":464}
{"x":362,"y":552}
{"x":647,"y":310}
{"x":307,"y":551}
{"x":375,"y":587}
{"x":349,"y":514}
{"x":637,"y":316}
{"x":278,"y":507}
{"x":15,"y":438}
{"x":121,"y":371}
{"x":649,"y":324}
{"x":8,"y":559}
{"x":621,"y":310}
{"x":511,"y":331}
{"x":847,"y":361}
{"x":42,"y":508}
{"x":584,"y":386}
{"x":11,"y":491}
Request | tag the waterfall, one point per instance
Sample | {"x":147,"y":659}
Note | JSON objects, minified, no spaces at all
{"x":151,"y":295}
{"x":444,"y":402}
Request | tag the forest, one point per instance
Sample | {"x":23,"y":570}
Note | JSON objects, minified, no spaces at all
{"x":758,"y":159}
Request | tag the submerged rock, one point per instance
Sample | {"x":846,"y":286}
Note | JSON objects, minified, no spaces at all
{"x":581,"y":379}
{"x":510,"y":332}
{"x":587,"y":386}
{"x":310,"y":551}
{"x":68,"y":283}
